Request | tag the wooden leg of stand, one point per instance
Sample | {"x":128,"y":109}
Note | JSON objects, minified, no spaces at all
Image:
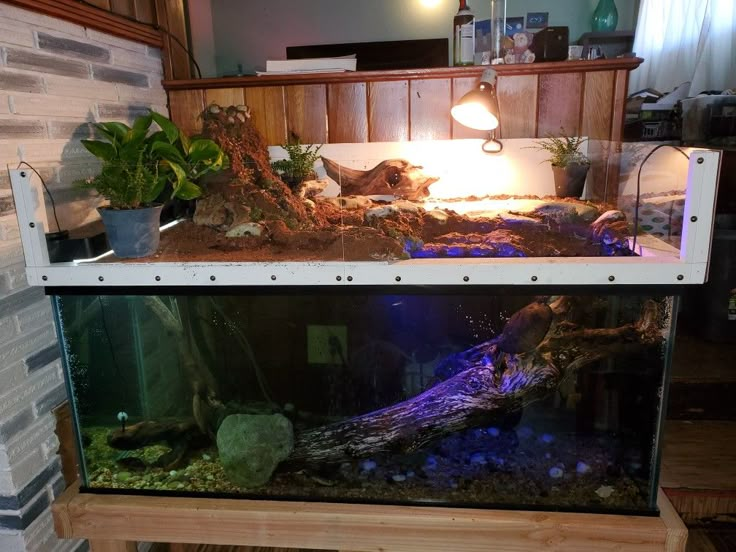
{"x":112,"y":546}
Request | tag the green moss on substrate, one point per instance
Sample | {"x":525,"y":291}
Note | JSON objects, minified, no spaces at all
{"x":514,"y":475}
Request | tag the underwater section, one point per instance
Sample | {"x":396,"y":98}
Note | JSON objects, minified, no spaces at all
{"x":479,"y":399}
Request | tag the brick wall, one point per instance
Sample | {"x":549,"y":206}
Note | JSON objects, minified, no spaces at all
{"x":55,"y":79}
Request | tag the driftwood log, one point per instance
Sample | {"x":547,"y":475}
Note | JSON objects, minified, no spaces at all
{"x":483,"y":382}
{"x":540,"y":347}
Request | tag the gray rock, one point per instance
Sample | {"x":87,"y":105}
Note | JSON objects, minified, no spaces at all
{"x":251,"y":446}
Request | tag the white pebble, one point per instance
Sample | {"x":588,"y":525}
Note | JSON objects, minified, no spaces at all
{"x":582,"y":468}
{"x":399,"y":477}
{"x":556,"y":473}
{"x":172,"y":473}
{"x":493,"y":431}
{"x":605,"y":491}
{"x":547,"y":438}
{"x":368,"y":465}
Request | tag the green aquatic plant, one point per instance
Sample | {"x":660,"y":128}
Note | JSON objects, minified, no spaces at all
{"x":138,"y":164}
{"x":300,"y":164}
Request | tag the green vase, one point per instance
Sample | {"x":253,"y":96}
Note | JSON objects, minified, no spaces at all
{"x":605,"y":17}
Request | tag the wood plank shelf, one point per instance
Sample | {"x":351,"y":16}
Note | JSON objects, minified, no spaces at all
{"x":553,"y":67}
{"x":113,"y":522}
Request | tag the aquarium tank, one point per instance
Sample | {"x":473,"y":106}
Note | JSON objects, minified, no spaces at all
{"x":485,"y":397}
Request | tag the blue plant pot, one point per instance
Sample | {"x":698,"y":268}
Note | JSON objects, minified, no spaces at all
{"x":132,"y":233}
{"x":605,"y":17}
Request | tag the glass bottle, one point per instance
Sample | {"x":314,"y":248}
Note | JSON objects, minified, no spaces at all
{"x":498,"y":30}
{"x":463,"y":26}
{"x":605,"y":17}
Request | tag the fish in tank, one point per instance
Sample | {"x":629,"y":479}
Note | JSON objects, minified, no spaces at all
{"x":484,"y":398}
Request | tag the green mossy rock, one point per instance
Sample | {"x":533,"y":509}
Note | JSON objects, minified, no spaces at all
{"x":251,"y":446}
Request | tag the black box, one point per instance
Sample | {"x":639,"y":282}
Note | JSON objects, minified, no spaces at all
{"x":551,"y":44}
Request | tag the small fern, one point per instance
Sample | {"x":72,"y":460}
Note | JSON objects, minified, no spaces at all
{"x":300,"y":164}
{"x":564,"y":150}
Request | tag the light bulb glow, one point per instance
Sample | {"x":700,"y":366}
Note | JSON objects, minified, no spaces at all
{"x":429,"y":3}
{"x":474,"y":115}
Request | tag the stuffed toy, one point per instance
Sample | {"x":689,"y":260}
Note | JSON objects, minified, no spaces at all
{"x":521,"y":52}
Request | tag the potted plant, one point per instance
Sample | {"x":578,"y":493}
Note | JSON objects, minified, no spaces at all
{"x":299,"y":166}
{"x":137,"y":167}
{"x":569,"y":164}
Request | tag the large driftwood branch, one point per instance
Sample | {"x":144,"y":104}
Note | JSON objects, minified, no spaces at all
{"x":488,"y":382}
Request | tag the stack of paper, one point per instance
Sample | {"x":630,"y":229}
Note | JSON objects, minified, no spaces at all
{"x":310,"y":65}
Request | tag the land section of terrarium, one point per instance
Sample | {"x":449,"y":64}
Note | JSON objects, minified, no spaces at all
{"x":248,"y":213}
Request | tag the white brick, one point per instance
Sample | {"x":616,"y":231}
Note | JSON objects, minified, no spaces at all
{"x":30,"y":440}
{"x":27,"y":468}
{"x":7,"y":487}
{"x":52,"y":106}
{"x":8,"y":330}
{"x":136,"y":94}
{"x":53,"y":151}
{"x":12,"y":33}
{"x":9,"y":228}
{"x":38,"y":384}
{"x":135,"y":60}
{"x":12,"y":542}
{"x":39,"y":20}
{"x":40,"y":536}
{"x":35,"y":316}
{"x":4,"y":109}
{"x":13,"y":375}
{"x":14,"y":280}
{"x":80,"y":88}
{"x":9,"y":153}
{"x":115,"y":41}
{"x":11,"y":253}
{"x":20,"y":348}
{"x":50,"y":446}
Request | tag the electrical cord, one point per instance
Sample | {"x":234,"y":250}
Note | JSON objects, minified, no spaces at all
{"x":156,"y":27}
{"x":43,"y":183}
{"x":638,"y":187}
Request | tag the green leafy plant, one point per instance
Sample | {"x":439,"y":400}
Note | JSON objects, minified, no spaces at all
{"x":564,"y":150}
{"x":300,"y":164}
{"x":137,"y":164}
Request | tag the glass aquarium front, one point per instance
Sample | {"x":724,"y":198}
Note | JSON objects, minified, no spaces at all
{"x":484,"y":398}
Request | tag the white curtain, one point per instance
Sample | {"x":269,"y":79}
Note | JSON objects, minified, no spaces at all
{"x":686,"y":41}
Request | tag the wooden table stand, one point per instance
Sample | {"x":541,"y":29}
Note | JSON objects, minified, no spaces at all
{"x":113,"y":523}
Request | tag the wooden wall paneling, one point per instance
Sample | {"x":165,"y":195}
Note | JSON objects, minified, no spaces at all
{"x":268,"y":112}
{"x":224,"y":97}
{"x":104,"y":4}
{"x":517,"y":98}
{"x":96,"y":14}
{"x":388,"y":111}
{"x":145,"y":11}
{"x":347,"y":113}
{"x":123,"y":7}
{"x":560,"y":100}
{"x":618,"y":116}
{"x":306,"y":113}
{"x":185,"y":107}
{"x":597,"y":105}
{"x":596,"y":125}
{"x":460,"y":87}
{"x":171,"y":15}
{"x":430,"y":101}
{"x":67,"y":443}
